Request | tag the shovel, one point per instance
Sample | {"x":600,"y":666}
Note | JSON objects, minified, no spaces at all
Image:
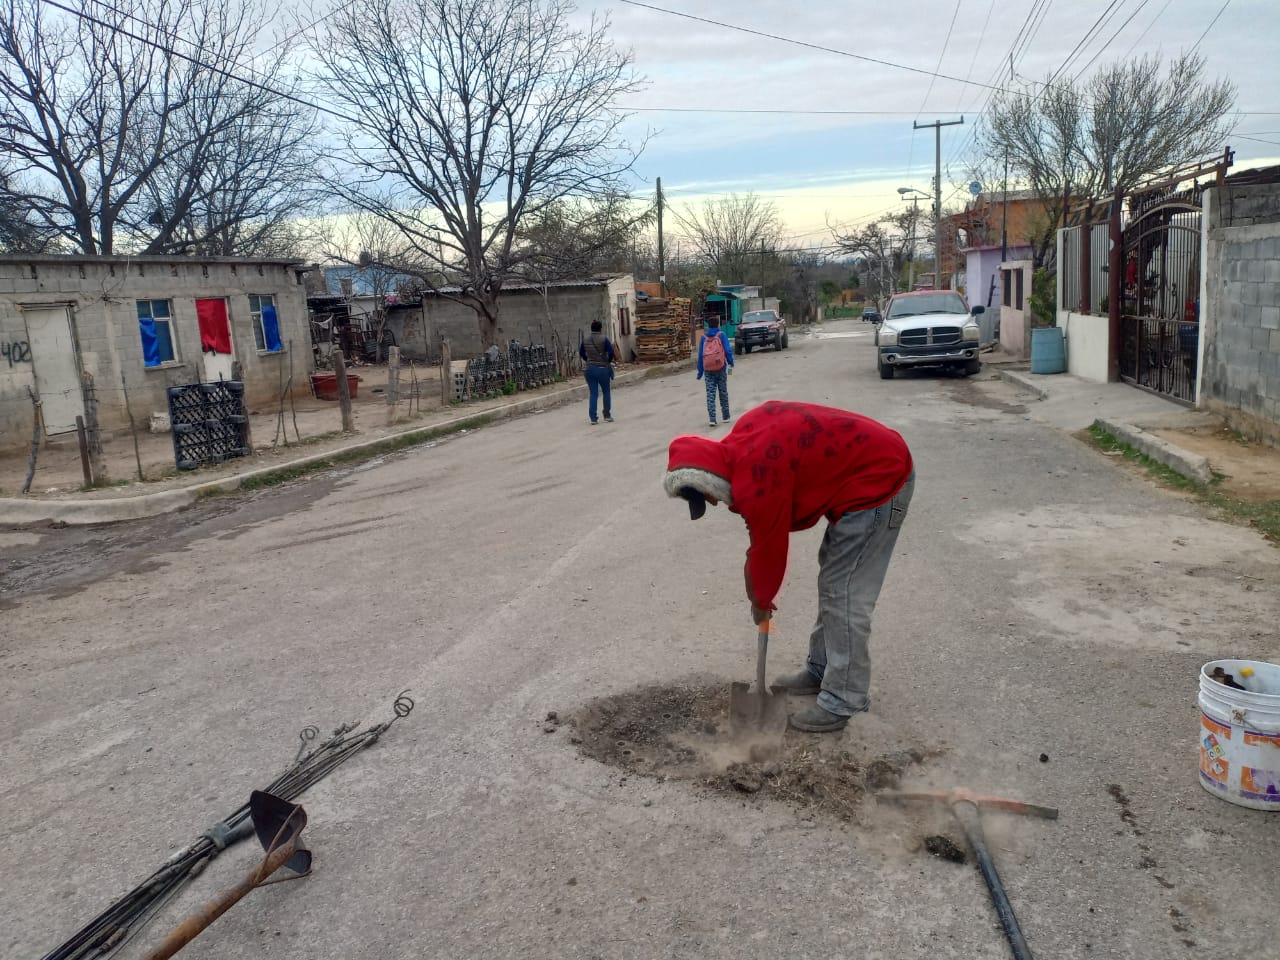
{"x":760,"y":710}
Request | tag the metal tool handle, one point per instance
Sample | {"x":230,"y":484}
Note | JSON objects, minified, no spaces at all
{"x":967,"y":813}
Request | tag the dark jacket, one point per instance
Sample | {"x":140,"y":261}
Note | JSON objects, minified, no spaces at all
{"x":597,"y":351}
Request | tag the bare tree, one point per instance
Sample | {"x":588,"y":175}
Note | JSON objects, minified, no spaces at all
{"x":1074,"y":143}
{"x":731,"y":232}
{"x":20,"y":229}
{"x":127,"y":130}
{"x":883,"y":248}
{"x":479,"y":115}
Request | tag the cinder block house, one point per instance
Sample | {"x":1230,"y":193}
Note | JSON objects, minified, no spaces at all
{"x":141,"y":324}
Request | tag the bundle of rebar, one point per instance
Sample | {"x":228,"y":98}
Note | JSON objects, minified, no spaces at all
{"x":120,"y":922}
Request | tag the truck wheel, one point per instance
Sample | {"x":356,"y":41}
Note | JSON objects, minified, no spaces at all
{"x":784,"y":342}
{"x":972,"y":367}
{"x":746,"y":348}
{"x":739,"y":347}
{"x":777,"y":343}
{"x":886,"y":372}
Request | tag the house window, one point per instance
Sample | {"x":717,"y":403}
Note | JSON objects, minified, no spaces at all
{"x":266,"y":325}
{"x":155,"y":327}
{"x":1007,"y":299}
{"x":1017,"y":282}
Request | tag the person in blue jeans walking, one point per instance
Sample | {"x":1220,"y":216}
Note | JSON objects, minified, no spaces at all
{"x":597,"y":352}
{"x":715,"y":360}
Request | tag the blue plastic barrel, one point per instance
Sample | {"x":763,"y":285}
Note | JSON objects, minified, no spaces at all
{"x":1048,"y":353}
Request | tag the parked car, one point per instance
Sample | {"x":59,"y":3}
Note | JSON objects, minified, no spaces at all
{"x":870,"y":315}
{"x":928,"y":328}
{"x":760,"y":328}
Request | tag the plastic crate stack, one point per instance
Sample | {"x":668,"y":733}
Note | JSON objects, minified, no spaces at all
{"x":530,"y":366}
{"x":209,"y":423}
{"x":526,"y":366}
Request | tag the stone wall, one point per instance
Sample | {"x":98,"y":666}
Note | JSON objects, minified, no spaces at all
{"x":1240,"y":368}
{"x":101,"y":331}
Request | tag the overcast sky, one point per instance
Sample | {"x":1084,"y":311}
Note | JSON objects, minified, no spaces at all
{"x":848,"y":167}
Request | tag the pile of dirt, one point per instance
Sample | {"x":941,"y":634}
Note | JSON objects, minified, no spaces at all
{"x":683,"y":732}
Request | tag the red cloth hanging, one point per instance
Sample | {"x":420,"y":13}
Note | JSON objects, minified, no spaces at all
{"x":215,"y":331}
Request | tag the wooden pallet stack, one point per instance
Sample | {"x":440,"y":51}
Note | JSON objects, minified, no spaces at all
{"x":663,"y":329}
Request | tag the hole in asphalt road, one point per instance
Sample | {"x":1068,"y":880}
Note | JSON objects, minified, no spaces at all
{"x":682,"y":732}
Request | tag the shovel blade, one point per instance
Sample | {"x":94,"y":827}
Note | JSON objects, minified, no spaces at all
{"x":756,"y":710}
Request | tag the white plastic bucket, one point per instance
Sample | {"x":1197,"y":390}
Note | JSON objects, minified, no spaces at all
{"x":1240,"y":734}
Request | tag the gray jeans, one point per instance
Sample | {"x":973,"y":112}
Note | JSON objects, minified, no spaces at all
{"x":851,"y":568}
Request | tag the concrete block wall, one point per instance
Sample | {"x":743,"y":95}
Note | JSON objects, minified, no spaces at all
{"x":101,"y":293}
{"x":1240,"y":373}
{"x":522,"y":316}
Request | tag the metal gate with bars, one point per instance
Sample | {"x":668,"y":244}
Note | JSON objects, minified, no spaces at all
{"x":1160,"y":310}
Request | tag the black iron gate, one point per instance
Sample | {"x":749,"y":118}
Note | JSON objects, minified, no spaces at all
{"x":1160,"y":312}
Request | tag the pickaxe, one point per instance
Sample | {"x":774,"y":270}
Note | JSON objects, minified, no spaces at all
{"x":966,"y":805}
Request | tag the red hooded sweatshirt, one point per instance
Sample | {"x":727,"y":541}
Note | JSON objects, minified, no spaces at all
{"x":789,"y":464}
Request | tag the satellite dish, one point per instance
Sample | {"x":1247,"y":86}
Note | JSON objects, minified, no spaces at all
{"x":975,"y":188}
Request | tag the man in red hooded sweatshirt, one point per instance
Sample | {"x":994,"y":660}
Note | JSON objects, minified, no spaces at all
{"x":784,"y":467}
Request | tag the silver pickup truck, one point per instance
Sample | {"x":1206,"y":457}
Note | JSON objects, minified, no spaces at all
{"x":928,"y":328}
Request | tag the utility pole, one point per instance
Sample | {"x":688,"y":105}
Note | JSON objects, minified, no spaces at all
{"x":762,"y":267}
{"x":662,"y":259}
{"x":1004,"y":215}
{"x":911,"y":259}
{"x":937,"y":191}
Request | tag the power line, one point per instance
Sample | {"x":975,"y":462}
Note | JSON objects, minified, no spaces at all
{"x":946,"y":41}
{"x":1210,"y":26}
{"x":801,"y":43}
{"x":1154,"y":20}
{"x":978,"y":47}
{"x":200,"y":63}
{"x":1089,"y":34}
{"x":1102,"y":49}
{"x":768,"y":110}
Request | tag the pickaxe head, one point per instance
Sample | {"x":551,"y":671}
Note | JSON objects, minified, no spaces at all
{"x":960,"y":795}
{"x":277,"y":822}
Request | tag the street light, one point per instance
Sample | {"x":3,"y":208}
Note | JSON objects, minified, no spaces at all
{"x":915,"y":201}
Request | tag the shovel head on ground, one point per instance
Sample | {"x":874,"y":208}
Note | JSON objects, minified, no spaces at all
{"x":759,"y":711}
{"x":756,"y":711}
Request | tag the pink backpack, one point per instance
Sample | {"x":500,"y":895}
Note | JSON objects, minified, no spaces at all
{"x":712,"y":352}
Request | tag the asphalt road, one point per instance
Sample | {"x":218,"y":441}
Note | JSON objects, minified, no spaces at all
{"x":1043,"y":600}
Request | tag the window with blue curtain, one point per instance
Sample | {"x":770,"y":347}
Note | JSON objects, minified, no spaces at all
{"x":266,"y":323}
{"x":155,"y":320}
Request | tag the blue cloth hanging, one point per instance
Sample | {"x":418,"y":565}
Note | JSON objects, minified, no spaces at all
{"x":271,"y":328}
{"x":150,"y":342}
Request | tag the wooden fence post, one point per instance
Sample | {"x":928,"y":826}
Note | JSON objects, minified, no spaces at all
{"x":393,"y":383}
{"x":93,"y":433}
{"x":344,"y":392}
{"x":446,"y":374}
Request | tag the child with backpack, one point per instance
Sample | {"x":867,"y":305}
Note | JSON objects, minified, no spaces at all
{"x":715,"y":361}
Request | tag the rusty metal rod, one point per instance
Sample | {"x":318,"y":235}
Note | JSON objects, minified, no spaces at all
{"x":195,"y":924}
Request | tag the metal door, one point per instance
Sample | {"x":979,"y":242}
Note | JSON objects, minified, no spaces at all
{"x":55,"y":361}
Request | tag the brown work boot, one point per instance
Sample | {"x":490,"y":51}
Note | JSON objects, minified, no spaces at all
{"x":802,"y":683}
{"x":816,"y":719}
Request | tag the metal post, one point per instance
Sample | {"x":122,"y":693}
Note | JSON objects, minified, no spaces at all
{"x":911,"y":261}
{"x":1115,"y":285}
{"x":1086,"y":268}
{"x":662,"y":257}
{"x":1004,"y":214}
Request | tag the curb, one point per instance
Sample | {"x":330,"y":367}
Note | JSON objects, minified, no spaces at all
{"x":17,"y":511}
{"x":1188,"y":464}
{"x":1023,"y":380}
